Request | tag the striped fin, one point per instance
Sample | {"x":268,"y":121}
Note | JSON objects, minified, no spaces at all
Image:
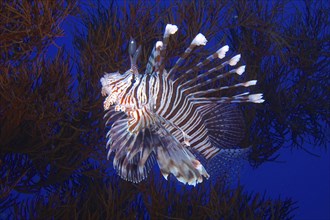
{"x":188,"y":128}
{"x":225,"y":126}
{"x":173,"y":158}
{"x":154,"y":61}
{"x":112,"y":115}
{"x":245,"y":84}
{"x":188,"y":85}
{"x":242,"y":97}
{"x":197,"y":41}
{"x":134,"y":153}
{"x":221,"y":53}
{"x":169,"y":30}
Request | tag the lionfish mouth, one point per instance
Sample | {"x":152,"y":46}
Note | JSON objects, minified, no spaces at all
{"x":174,"y":121}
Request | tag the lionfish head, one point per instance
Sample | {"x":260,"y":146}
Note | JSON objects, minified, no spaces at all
{"x":114,"y":84}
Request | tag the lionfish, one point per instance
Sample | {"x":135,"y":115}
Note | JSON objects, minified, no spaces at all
{"x":155,"y":118}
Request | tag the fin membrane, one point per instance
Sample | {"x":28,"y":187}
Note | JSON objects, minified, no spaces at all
{"x":225,"y":126}
{"x":227,"y":163}
{"x":174,"y":159}
{"x":134,"y":153}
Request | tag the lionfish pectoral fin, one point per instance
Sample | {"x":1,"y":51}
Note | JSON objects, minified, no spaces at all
{"x":174,"y":159}
{"x":134,"y":152}
{"x":133,"y":170}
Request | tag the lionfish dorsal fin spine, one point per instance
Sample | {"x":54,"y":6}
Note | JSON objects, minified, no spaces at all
{"x":221,"y":53}
{"x":197,"y":41}
{"x":169,"y":30}
{"x":154,"y":59}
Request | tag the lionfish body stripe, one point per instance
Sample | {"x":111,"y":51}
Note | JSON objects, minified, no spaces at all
{"x":155,"y":118}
